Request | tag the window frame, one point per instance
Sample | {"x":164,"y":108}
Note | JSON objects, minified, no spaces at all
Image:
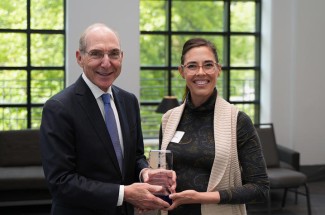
{"x":29,"y":105}
{"x":226,"y":64}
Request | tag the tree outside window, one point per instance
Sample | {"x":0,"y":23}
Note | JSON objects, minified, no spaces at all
{"x":32,"y":59}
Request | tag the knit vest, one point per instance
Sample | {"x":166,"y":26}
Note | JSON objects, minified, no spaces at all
{"x":225,"y":172}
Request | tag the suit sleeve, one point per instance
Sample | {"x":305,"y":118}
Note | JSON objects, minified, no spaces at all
{"x":60,"y":158}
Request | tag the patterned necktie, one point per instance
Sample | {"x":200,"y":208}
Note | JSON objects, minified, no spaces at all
{"x":112,"y":129}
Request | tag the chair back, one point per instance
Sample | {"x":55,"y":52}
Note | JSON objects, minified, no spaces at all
{"x":269,"y":146}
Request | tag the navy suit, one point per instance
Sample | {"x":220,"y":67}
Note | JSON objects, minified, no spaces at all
{"x":78,"y":157}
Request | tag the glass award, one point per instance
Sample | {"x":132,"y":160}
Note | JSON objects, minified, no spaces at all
{"x":161,"y":159}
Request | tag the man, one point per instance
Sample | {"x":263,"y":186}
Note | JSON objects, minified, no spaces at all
{"x":78,"y":152}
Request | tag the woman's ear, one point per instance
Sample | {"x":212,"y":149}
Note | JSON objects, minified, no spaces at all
{"x":219,"y":69}
{"x":181,"y":71}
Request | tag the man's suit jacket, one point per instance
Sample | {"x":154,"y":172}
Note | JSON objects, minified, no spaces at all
{"x":78,"y":157}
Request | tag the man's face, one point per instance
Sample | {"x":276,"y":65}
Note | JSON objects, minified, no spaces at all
{"x":102,"y":59}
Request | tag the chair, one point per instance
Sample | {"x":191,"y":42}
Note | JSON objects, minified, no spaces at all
{"x":281,"y":174}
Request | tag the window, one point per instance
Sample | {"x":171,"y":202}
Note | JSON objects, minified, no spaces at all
{"x":233,"y":26}
{"x":32,"y":59}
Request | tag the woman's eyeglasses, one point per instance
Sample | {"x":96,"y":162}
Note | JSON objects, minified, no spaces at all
{"x":193,"y":68}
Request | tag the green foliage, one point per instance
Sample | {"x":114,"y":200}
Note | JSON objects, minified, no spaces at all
{"x":147,"y":149}
{"x":13,"y":86}
{"x":13,"y":14}
{"x":46,"y":50}
{"x":197,"y":16}
{"x":13,"y":118}
{"x":13,"y":49}
{"x":46,"y":83}
{"x":242,"y":51}
{"x":47,"y":14}
{"x":155,"y":11}
{"x":243,"y":16}
{"x":151,"y":121}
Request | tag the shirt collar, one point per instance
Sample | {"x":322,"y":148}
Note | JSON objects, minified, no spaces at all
{"x":97,"y":92}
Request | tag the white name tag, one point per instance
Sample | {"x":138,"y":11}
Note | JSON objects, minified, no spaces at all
{"x":178,"y":136}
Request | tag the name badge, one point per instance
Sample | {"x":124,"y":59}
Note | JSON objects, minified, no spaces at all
{"x":178,"y":136}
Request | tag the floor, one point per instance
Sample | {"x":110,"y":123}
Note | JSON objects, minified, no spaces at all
{"x":317,"y":199}
{"x":317,"y":194}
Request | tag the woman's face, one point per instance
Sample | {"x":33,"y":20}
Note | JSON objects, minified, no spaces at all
{"x":200,"y":84}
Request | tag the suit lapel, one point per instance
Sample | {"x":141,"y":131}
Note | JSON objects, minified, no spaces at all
{"x":89,"y":104}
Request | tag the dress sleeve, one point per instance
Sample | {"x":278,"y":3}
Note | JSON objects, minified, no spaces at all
{"x":254,"y":177}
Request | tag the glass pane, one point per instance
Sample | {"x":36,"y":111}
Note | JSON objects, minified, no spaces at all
{"x":46,"y":83}
{"x":13,"y":49}
{"x":153,"y":85}
{"x":221,"y":83}
{"x":179,"y":40}
{"x":249,"y":109}
{"x":149,"y":147}
{"x":47,"y":50}
{"x":178,"y":85}
{"x":242,"y":51}
{"x":36,"y":117}
{"x":242,"y":84}
{"x":150,"y":121}
{"x":197,"y":16}
{"x":13,"y":118}
{"x":47,"y":14}
{"x":13,"y":14}
{"x":153,"y":50}
{"x":242,"y":16}
{"x":153,"y":15}
{"x":13,"y":86}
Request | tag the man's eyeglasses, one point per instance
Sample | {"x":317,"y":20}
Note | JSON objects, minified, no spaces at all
{"x":99,"y":54}
{"x":193,"y":68}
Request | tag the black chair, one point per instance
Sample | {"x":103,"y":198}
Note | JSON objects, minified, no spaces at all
{"x":282,"y":166}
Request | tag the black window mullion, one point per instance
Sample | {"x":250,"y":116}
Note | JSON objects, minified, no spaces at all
{"x":226,"y":79}
{"x":169,"y":61}
{"x":258,"y":26}
{"x":29,"y":76}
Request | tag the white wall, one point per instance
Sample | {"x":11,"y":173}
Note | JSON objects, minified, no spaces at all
{"x":122,"y":17}
{"x":293,"y":79}
{"x":293,"y":71}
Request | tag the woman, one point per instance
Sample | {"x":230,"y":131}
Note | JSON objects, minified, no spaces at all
{"x":217,"y":154}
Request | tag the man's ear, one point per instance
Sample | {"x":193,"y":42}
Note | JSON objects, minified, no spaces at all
{"x":79,"y":58}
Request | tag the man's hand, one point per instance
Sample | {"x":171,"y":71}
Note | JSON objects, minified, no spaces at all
{"x":165,"y":178}
{"x":141,"y":197}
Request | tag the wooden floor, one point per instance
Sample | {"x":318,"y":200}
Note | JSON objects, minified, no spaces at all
{"x":317,"y":194}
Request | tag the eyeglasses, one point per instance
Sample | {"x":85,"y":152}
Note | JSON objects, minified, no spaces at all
{"x":99,"y":54}
{"x":193,"y":68}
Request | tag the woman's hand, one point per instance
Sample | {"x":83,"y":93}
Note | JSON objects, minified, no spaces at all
{"x":193,"y":197}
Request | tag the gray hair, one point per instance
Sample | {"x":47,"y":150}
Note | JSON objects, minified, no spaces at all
{"x":83,"y":41}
